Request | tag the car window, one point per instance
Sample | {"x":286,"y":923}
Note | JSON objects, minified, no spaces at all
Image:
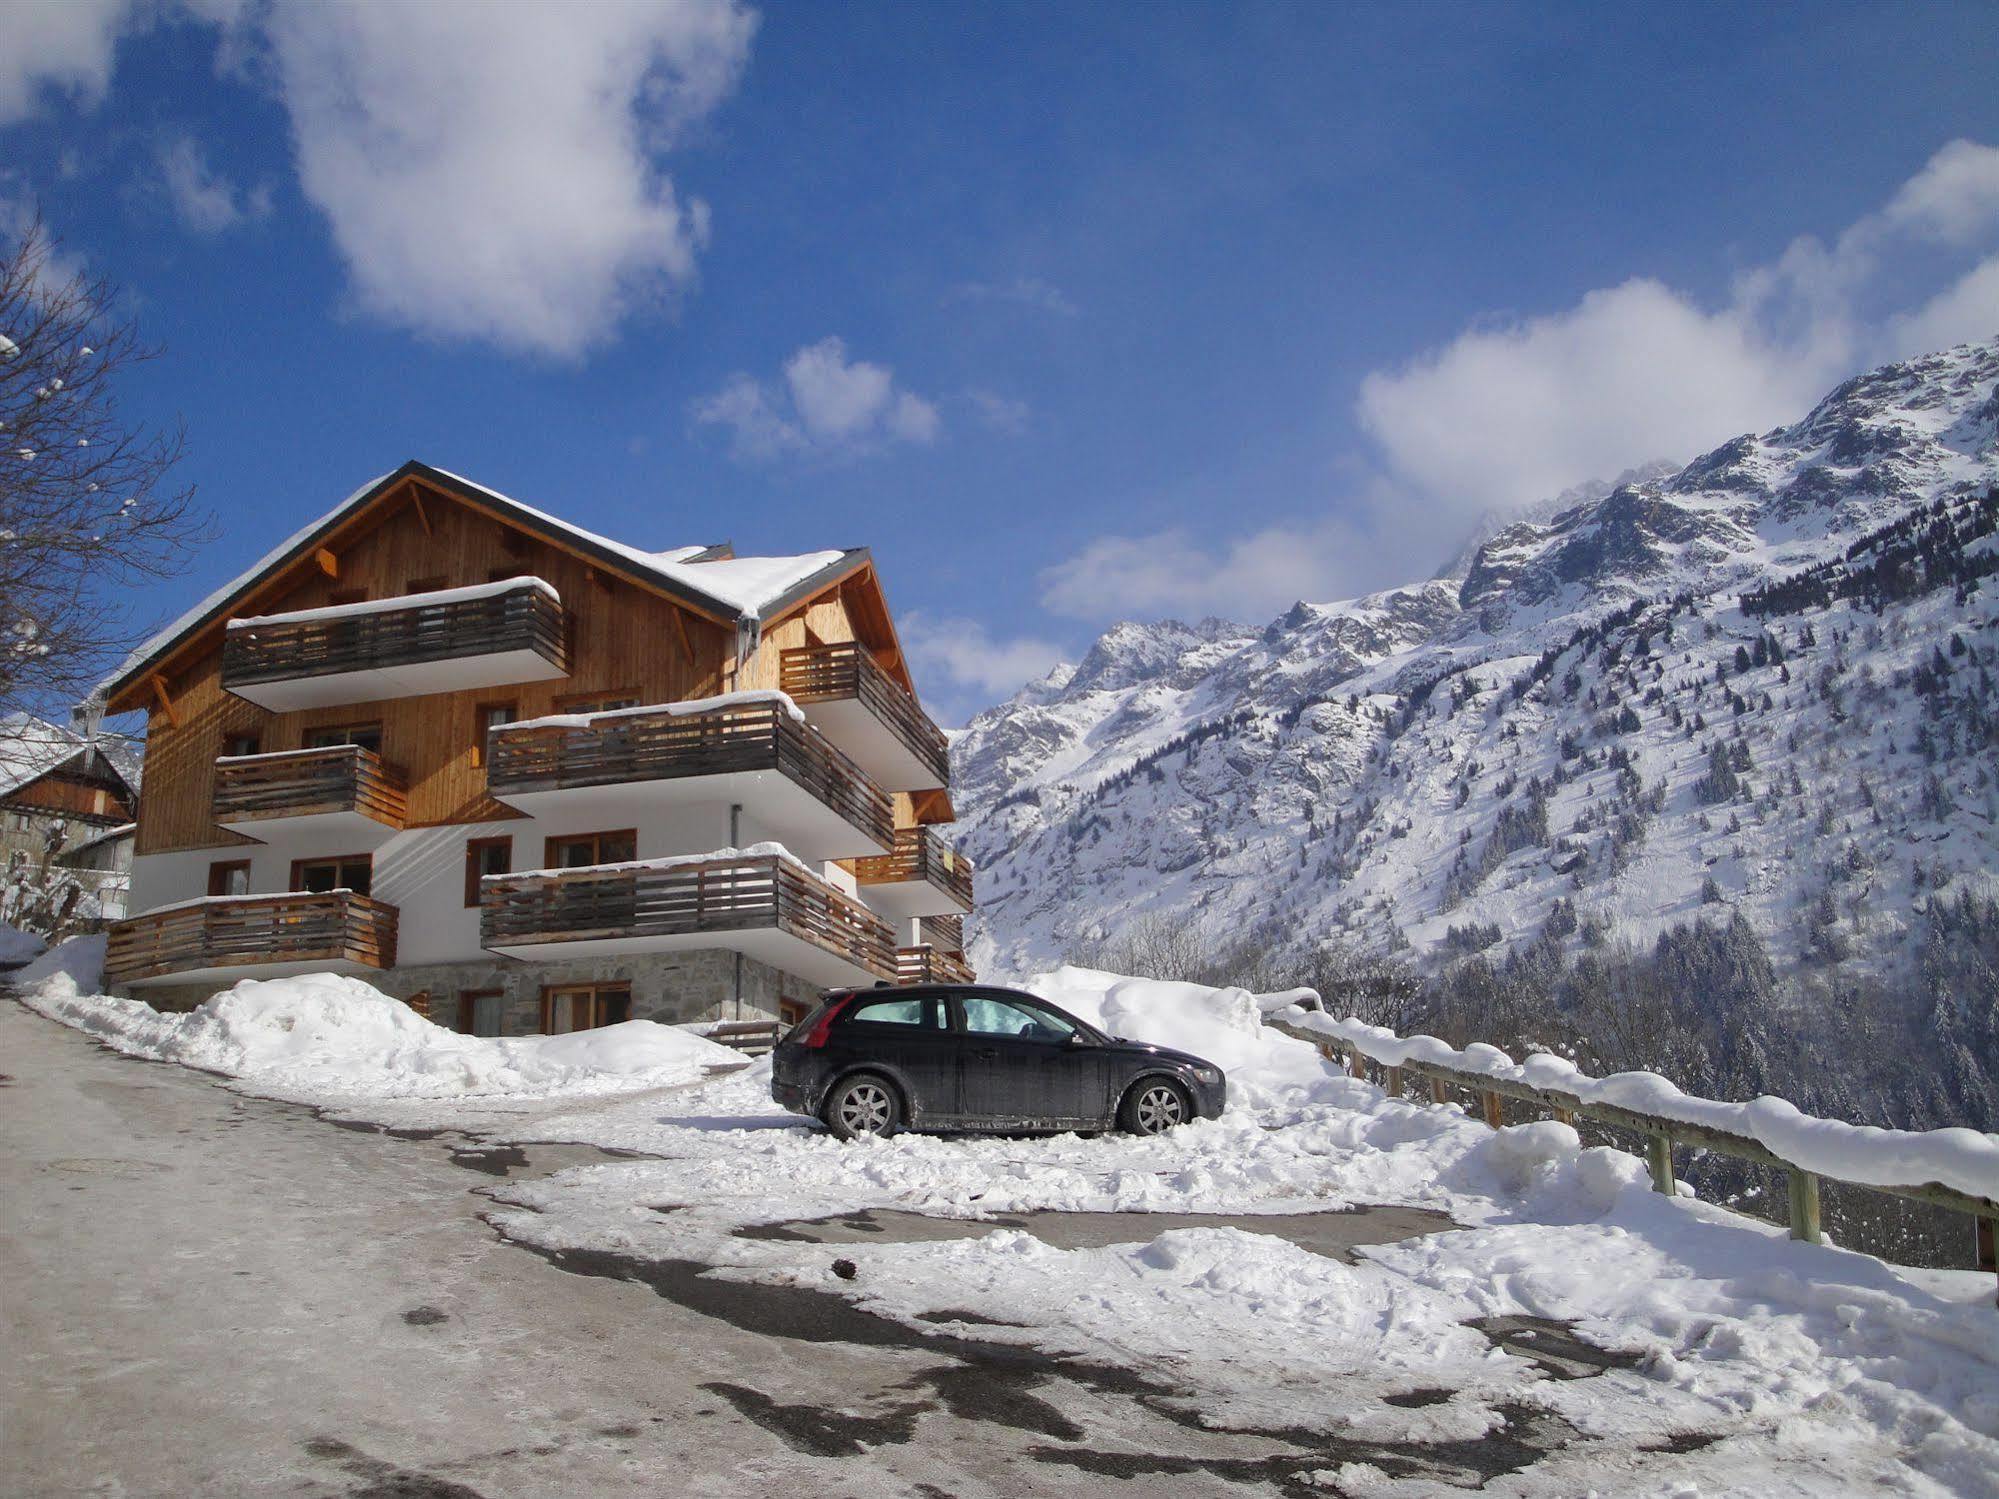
{"x":893,"y":1012}
{"x":987,"y":1015}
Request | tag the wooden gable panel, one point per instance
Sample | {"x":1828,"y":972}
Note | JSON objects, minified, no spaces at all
{"x":622,"y":638}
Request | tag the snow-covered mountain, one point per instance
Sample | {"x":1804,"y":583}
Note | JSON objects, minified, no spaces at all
{"x":1604,"y":720}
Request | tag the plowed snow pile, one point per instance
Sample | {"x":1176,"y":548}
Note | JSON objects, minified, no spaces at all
{"x":330,"y":1036}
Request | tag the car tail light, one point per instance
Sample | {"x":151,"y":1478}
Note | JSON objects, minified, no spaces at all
{"x":816,"y":1037}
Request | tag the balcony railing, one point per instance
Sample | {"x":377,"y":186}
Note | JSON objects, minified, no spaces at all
{"x":627,"y":747}
{"x":919,"y":856}
{"x":514,"y":634}
{"x":927,"y":965}
{"x":252,"y":931}
{"x":255,"y":789}
{"x":712,"y":898}
{"x":945,"y":933}
{"x":821,"y":674}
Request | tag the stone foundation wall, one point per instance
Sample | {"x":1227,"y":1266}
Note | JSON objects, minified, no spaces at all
{"x":671,"y":988}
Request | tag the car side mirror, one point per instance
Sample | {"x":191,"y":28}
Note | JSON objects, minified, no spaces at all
{"x":1077,"y":1038}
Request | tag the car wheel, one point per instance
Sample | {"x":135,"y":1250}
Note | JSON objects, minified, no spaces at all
{"x":1153,"y":1106}
{"x":862,"y":1105}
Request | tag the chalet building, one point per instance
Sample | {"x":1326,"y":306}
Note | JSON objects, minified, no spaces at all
{"x":533,"y":780}
{"x":62,"y":793}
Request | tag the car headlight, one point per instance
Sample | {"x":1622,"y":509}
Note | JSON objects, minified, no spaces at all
{"x":1208,"y":1075}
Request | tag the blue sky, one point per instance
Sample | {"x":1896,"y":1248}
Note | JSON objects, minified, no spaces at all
{"x":1072,"y":313}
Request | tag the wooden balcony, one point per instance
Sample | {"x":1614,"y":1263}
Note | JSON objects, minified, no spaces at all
{"x":344,"y":793}
{"x":928,"y":965}
{"x":795,"y":786}
{"x":227,"y":937}
{"x":454,"y":639}
{"x":868,"y":714}
{"x":766,"y":907}
{"x":921,"y":876}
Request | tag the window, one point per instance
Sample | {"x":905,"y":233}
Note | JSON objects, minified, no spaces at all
{"x":367,"y":735}
{"x":484,"y":856}
{"x":354,"y":872}
{"x":485,"y":717}
{"x":895,"y":1012}
{"x":598,"y":702}
{"x":482,"y":1012}
{"x":20,"y":822}
{"x":791,"y":1012}
{"x":584,"y":1007}
{"x":242,"y":744}
{"x":574,"y":850}
{"x":231,"y":877}
{"x":991,"y":1015}
{"x":431,"y":584}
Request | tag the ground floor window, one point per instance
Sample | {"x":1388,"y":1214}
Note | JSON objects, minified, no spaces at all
{"x":584,"y":1007}
{"x":791,"y":1011}
{"x":482,"y":1012}
{"x":229,"y":877}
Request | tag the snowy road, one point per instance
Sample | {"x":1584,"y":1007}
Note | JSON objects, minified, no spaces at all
{"x":206,"y":1293}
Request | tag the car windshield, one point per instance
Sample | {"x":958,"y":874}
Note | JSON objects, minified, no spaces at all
{"x":989,"y":1015}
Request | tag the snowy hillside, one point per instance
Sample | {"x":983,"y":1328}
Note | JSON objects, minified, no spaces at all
{"x":1618,"y":720}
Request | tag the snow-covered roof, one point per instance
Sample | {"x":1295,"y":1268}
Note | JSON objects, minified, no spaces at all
{"x":747,"y":589}
{"x":31,"y":747}
{"x":109,"y":835}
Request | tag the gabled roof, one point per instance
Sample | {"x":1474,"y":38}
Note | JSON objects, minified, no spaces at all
{"x":711,"y":581}
{"x":31,"y":748}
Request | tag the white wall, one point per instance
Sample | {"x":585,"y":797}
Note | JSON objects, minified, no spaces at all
{"x":422,"y":871}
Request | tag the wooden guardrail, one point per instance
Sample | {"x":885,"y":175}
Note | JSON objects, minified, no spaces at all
{"x":919,"y":856}
{"x":712,"y":896}
{"x":282,"y":650}
{"x":846,"y":669}
{"x":612,"y":749}
{"x":231,"y":931}
{"x":1662,"y":1134}
{"x":300,"y":783}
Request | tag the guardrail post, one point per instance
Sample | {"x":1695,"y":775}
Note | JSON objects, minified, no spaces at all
{"x":1659,"y":1159}
{"x":1391,"y":1082}
{"x":1564,"y":1115}
{"x":1439,"y":1093}
{"x":1983,"y":1249}
{"x":1356,"y":1064}
{"x":1804,"y":1206}
{"x":1489,"y":1101}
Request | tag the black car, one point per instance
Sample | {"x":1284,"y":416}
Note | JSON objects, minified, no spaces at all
{"x":872,"y":1061}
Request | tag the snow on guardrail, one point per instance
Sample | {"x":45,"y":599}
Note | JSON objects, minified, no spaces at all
{"x":1965,"y":1160}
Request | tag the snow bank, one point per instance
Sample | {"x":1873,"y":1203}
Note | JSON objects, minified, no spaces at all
{"x":329,"y":1036}
{"x":1224,"y":1026}
{"x":1964,"y":1159}
{"x":80,"y":959}
{"x":17,"y":946}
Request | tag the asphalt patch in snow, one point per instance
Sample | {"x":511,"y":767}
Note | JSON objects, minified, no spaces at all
{"x":1335,"y":1234}
{"x":1552,"y":1347}
{"x":822,"y":1431}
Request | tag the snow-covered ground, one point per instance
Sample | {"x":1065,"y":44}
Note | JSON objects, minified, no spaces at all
{"x":1748,"y":1363}
{"x":327,"y":1038}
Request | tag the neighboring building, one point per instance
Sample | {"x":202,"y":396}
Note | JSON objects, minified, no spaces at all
{"x":534,"y":780}
{"x":102,"y":864}
{"x":60,"y":793}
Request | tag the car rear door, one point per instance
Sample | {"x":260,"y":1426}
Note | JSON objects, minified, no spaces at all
{"x":905,"y":1034}
{"x":1017,"y":1063}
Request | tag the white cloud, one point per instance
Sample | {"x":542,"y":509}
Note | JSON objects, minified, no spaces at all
{"x":1021,"y":291}
{"x":496,"y":179}
{"x":1249,"y":579}
{"x":1514,"y":411}
{"x":962,"y":652}
{"x":205,"y":200}
{"x":825,"y":404}
{"x":64,"y":46}
{"x":1001,"y":413}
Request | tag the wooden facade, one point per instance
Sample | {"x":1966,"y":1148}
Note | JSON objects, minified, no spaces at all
{"x":623,"y":640}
